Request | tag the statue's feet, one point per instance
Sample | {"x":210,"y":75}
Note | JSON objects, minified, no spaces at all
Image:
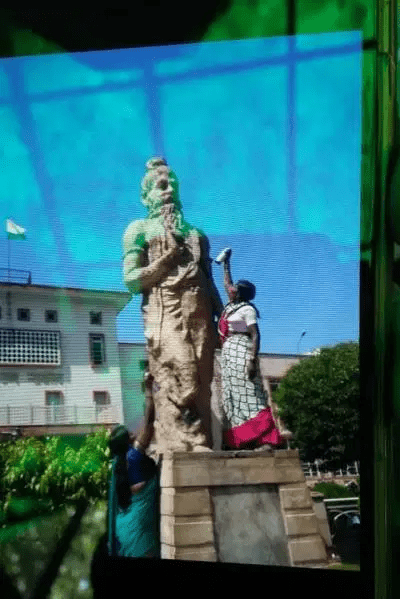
{"x":266,"y":447}
{"x":201,"y":449}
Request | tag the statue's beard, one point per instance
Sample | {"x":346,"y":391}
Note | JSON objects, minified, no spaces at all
{"x":171,"y":215}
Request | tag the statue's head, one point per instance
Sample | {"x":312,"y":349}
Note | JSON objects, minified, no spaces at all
{"x":159,"y":186}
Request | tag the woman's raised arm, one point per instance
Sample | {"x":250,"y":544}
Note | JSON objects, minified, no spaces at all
{"x":145,"y":436}
{"x":228,"y":283}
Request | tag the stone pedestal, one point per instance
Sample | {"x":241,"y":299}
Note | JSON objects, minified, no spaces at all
{"x":239,"y":507}
{"x":322,"y":517}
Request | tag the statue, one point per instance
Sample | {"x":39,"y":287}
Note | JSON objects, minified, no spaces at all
{"x":167,"y":261}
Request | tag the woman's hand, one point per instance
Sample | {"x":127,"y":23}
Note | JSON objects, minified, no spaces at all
{"x":252,"y":369}
{"x":255,"y":347}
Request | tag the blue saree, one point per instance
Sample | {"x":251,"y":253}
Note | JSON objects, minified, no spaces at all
{"x":134,"y":531}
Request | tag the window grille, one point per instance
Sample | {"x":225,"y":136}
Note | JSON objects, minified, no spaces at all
{"x":22,"y":346}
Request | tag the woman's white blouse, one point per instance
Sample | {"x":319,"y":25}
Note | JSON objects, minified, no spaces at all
{"x":241,"y":319}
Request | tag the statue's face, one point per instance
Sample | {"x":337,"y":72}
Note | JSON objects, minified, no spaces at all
{"x":163,"y":191}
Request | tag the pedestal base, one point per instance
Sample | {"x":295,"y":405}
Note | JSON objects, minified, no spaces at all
{"x":239,"y":507}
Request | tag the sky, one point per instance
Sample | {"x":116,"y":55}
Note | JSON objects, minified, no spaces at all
{"x":264,"y":136}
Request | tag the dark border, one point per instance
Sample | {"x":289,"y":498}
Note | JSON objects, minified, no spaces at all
{"x":190,"y":575}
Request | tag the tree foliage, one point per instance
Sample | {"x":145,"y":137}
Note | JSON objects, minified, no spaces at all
{"x":47,"y":468}
{"x":318,"y":400}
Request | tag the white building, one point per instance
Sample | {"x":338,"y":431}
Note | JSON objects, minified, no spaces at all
{"x":59,"y":358}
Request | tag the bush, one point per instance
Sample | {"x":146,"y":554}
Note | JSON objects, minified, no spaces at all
{"x":319,"y":401}
{"x":24,"y":508}
{"x":334,"y":491}
{"x":53,"y":470}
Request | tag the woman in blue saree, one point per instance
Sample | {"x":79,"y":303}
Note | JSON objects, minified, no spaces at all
{"x":133,"y":527}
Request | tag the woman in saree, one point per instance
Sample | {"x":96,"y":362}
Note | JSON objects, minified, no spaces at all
{"x":134,"y":490}
{"x":249,"y":423}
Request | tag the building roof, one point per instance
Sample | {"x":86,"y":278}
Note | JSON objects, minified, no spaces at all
{"x":261,"y":354}
{"x":120,"y":298}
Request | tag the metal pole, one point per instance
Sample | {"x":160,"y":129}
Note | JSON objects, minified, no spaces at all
{"x":8,"y":300}
{"x":9,"y":258}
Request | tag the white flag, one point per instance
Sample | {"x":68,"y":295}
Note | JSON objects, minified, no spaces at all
{"x":14,"y":231}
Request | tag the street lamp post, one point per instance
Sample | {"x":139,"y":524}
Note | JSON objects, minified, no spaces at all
{"x":301,"y":336}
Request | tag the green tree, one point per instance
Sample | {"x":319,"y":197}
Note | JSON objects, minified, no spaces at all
{"x":50,"y":469}
{"x":318,"y":400}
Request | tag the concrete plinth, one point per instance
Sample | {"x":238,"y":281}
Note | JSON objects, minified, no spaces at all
{"x":239,"y":507}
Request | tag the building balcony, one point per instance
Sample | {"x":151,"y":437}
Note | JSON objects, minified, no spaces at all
{"x":57,"y":415}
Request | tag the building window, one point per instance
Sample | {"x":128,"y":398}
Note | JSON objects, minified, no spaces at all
{"x":24,"y":314}
{"x":274,"y":384}
{"x":54,"y":398}
{"x":144,"y":365}
{"x":101,"y":401}
{"x":22,"y":346}
{"x":55,"y":408}
{"x":97,"y":349}
{"x":95,"y":318}
{"x":101,"y":398}
{"x":0,"y":312}
{"x":51,"y":316}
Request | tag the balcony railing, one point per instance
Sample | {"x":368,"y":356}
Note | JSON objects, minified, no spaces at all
{"x":339,"y":505}
{"x":57,"y":414}
{"x":317,"y":470}
{"x":11,"y":275}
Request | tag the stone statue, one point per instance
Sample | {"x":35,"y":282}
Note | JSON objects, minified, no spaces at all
{"x":167,"y":261}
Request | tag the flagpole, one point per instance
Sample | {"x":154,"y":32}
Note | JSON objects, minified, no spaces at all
{"x":9,"y":247}
{"x":14,"y":232}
